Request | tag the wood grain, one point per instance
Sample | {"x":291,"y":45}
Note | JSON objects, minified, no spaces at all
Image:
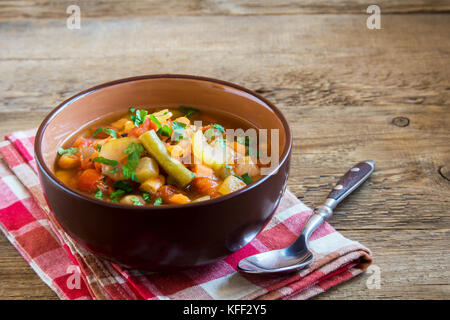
{"x":38,"y":9}
{"x":350,"y":94}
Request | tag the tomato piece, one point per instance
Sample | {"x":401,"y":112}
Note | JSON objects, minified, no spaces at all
{"x":166,"y":192}
{"x":205,"y":186}
{"x":81,"y":142}
{"x":89,"y":180}
{"x":146,"y":126}
{"x":152,"y":125}
{"x":88,"y":163}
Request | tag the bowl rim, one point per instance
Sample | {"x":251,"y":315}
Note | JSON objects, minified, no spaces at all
{"x":75,"y":193}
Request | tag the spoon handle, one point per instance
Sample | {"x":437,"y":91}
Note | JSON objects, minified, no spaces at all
{"x":349,"y":182}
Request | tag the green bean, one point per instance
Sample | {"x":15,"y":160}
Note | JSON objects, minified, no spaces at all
{"x":172,"y":166}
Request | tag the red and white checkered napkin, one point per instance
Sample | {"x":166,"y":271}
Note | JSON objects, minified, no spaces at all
{"x":74,"y":273}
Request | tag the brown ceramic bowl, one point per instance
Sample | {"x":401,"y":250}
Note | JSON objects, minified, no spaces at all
{"x":165,"y":237}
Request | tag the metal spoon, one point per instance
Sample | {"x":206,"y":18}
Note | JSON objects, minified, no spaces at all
{"x":297,"y":255}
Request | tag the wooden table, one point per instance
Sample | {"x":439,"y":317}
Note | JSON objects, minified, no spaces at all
{"x":350,"y":94}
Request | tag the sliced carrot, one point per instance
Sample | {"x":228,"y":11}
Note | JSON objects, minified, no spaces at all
{"x":89,"y":180}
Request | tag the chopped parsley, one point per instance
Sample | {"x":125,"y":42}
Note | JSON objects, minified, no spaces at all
{"x":134,"y":151}
{"x":99,"y":194}
{"x":158,"y":201}
{"x":136,"y":201}
{"x":102,"y":180}
{"x":246,"y":142}
{"x":69,"y":151}
{"x":246,"y":178}
{"x":164,"y":131}
{"x":139,"y":118}
{"x":155,"y":120}
{"x":187,"y":110}
{"x":99,"y":147}
{"x":113,"y":170}
{"x":147,"y":197}
{"x":116,"y":195}
{"x":123,"y":185}
{"x":108,"y":162}
{"x":178,"y":129}
{"x":108,"y":131}
{"x":96,"y":132}
{"x":219,"y":127}
{"x":214,"y":130}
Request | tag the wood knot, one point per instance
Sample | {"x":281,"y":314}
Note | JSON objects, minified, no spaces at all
{"x":444,"y":172}
{"x":400,"y":121}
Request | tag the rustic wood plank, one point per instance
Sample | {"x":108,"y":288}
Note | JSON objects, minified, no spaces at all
{"x":340,"y":85}
{"x":310,"y":60}
{"x":38,"y":9}
{"x":406,"y":190}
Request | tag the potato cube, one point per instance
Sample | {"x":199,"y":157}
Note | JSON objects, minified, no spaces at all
{"x":247,"y":165}
{"x":133,"y":200}
{"x":68,"y":161}
{"x":231,"y":184}
{"x":119,"y":124}
{"x":153,"y":184}
{"x":204,"y":198}
{"x":128,"y":126}
{"x":163,"y":115}
{"x":66,"y":177}
{"x":147,"y":168}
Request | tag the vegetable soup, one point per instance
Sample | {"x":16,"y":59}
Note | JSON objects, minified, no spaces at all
{"x":151,"y":157}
